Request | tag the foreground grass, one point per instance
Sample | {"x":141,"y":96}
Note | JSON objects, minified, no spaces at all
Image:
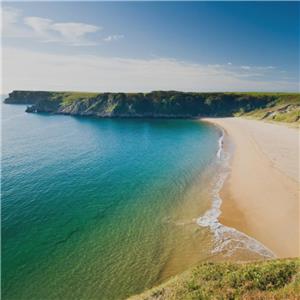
{"x":274,"y":279}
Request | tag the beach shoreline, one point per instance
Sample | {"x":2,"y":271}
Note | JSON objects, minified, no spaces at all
{"x":260,"y":197}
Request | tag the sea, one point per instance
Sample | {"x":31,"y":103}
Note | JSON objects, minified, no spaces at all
{"x":106,"y":208}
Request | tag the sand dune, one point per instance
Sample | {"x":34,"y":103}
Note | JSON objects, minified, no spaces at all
{"x":261,"y":195}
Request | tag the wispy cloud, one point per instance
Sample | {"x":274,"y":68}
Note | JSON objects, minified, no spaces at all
{"x":40,"y":26}
{"x":67,"y":32}
{"x":24,"y":69}
{"x":258,"y":68}
{"x":11,"y":25}
{"x":10,"y":16}
{"x":74,"y":31}
{"x":47,"y":30}
{"x":114,"y":37}
{"x":245,"y":67}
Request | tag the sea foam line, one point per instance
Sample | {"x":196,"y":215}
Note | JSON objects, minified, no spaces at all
{"x":227,"y":239}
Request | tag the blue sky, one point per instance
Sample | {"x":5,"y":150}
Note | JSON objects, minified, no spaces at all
{"x":142,"y":46}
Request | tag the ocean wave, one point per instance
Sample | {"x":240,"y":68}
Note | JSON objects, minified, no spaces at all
{"x":227,"y":240}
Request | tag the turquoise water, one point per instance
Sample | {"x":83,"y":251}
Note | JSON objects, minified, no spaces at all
{"x":100,"y":208}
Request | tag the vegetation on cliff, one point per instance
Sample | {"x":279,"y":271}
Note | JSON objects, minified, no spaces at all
{"x":286,"y":108}
{"x":277,"y":106}
{"x":274,"y":279}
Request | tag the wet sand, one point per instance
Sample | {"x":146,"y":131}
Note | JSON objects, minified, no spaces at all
{"x":261,"y":194}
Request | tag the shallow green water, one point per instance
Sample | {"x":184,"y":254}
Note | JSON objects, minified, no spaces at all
{"x":91,"y":208}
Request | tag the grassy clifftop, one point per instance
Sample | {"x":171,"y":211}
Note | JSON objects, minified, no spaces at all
{"x":286,"y":108}
{"x":276,"y":106}
{"x":274,"y":279}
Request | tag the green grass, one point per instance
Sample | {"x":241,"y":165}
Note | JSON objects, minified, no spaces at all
{"x":289,"y":117}
{"x":285,"y":107}
{"x":273,"y":279}
{"x":69,"y":97}
{"x":282,"y":112}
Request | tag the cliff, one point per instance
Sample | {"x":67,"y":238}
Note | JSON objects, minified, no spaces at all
{"x":164,"y":104}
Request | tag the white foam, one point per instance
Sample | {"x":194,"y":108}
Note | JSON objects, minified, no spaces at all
{"x":220,"y":142}
{"x":226,"y":239}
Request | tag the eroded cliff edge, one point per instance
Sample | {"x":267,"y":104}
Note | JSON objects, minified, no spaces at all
{"x":159,"y":104}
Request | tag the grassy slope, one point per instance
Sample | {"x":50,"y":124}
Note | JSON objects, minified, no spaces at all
{"x":274,"y":279}
{"x":70,"y":97}
{"x":286,"y":109}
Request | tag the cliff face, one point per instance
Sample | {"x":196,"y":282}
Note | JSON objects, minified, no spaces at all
{"x":170,"y":104}
{"x":27,"y":97}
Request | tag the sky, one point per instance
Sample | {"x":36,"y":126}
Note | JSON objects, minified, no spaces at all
{"x":145,"y":46}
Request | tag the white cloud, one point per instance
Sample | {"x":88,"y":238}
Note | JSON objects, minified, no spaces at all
{"x":24,"y":69}
{"x":245,"y":67}
{"x":266,"y":68}
{"x":258,"y":68}
{"x":10,"y":15}
{"x":41,"y":26}
{"x":114,"y":37}
{"x":74,"y":31}
{"x":46,"y":30}
{"x":10,"y":24}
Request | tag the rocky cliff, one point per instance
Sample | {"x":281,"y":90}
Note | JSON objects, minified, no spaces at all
{"x":157,"y":104}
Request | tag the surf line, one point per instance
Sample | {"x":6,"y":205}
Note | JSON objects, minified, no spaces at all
{"x":227,"y":240}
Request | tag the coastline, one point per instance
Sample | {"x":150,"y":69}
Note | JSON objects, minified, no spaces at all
{"x":260,"y":194}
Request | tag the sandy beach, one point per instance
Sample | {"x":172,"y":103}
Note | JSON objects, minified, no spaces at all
{"x":261,"y":195}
